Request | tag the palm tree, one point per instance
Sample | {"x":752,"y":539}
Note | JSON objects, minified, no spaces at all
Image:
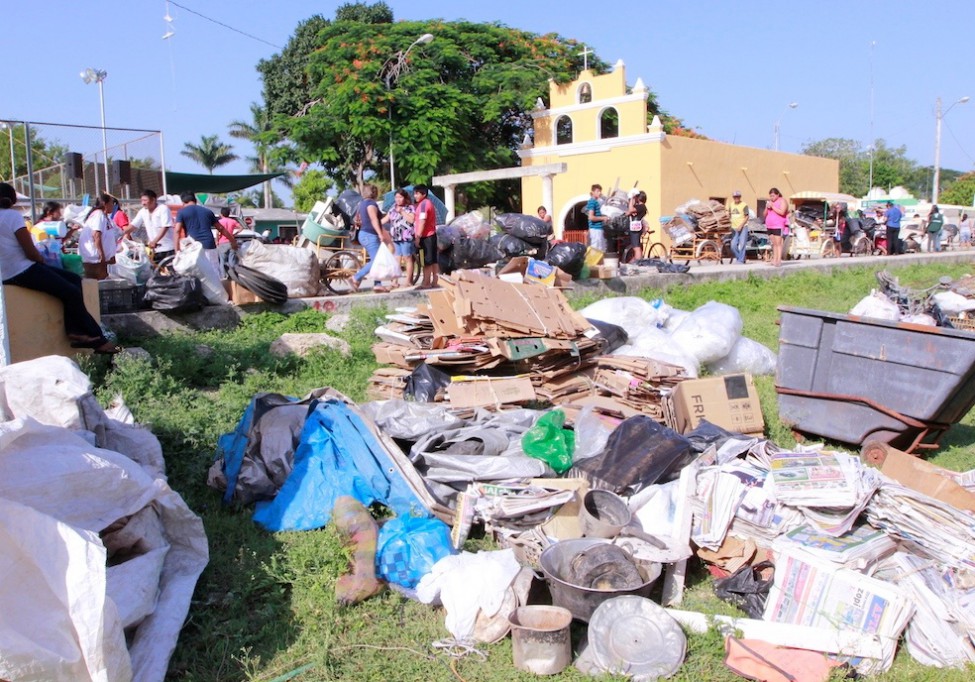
{"x":256,"y":132}
{"x":210,"y":153}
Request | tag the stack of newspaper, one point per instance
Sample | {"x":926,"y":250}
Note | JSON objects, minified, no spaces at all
{"x":831,"y":488}
{"x":717,"y":498}
{"x":811,"y":591}
{"x":926,"y":526}
{"x":860,"y":549}
{"x":938,"y":634}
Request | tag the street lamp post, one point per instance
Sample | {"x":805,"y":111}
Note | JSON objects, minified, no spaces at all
{"x":778,"y":124}
{"x":90,"y":76}
{"x":938,"y":116}
{"x":394,"y":67}
{"x":10,"y":133}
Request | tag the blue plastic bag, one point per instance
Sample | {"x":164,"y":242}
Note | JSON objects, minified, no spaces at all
{"x":409,"y":546}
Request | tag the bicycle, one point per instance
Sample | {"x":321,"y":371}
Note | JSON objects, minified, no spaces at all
{"x":651,"y":249}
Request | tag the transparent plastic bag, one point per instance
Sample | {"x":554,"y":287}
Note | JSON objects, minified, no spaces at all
{"x":384,"y":266}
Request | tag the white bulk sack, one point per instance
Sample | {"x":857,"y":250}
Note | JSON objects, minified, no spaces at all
{"x":297,"y":268}
{"x":746,"y":356}
{"x":191,"y":260}
{"x":709,"y":333}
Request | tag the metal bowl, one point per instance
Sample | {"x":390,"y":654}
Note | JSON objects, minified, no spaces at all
{"x":582,"y":601}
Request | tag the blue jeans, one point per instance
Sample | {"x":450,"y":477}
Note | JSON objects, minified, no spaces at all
{"x":739,"y":240}
{"x":370,"y":242}
{"x":935,"y":240}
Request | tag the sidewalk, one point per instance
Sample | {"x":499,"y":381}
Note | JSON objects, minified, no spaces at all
{"x":151,"y":323}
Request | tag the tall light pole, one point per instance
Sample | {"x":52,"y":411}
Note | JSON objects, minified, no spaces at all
{"x":938,"y":116}
{"x":13,"y":163}
{"x":394,"y":67}
{"x":90,"y":76}
{"x":873,"y":44}
{"x":778,"y":124}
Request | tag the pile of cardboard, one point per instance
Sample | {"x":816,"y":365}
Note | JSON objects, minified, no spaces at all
{"x":522,"y":335}
{"x":640,"y":384}
{"x":711,"y":216}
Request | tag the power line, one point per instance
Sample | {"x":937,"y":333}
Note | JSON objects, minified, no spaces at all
{"x":958,"y":142}
{"x":226,"y":26}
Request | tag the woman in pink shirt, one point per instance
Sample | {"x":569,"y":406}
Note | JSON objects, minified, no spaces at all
{"x":776,"y":223}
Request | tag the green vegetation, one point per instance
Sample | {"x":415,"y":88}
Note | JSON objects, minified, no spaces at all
{"x":210,"y":153}
{"x":264,"y":609}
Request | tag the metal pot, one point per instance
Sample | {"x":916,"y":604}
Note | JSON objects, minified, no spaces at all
{"x":582,"y":601}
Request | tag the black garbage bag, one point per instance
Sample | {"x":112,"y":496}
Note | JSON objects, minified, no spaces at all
{"x":617,"y":226}
{"x":531,"y":229}
{"x":474,"y":253}
{"x":570,"y":257}
{"x":745,"y":588}
{"x":348,"y":203}
{"x":640,"y":452}
{"x":174,"y":293}
{"x":664,"y":266}
{"x":611,"y":335}
{"x":448,"y":236}
{"x":268,"y":288}
{"x":706,"y":434}
{"x":425,"y":382}
{"x":510,"y":246}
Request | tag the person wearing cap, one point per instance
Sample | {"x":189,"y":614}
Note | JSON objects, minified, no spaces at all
{"x":739,"y":226}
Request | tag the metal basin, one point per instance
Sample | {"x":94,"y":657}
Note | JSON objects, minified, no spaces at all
{"x":582,"y":601}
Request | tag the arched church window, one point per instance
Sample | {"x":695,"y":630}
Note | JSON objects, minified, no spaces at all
{"x":609,"y":123}
{"x":585,"y":93}
{"x":563,"y":130}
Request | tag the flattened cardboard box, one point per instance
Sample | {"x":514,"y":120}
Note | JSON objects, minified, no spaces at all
{"x":486,"y":391}
{"x":729,"y":401}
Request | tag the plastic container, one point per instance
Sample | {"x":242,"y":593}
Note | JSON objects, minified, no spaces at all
{"x":852,"y":378}
{"x":72,"y":263}
{"x":119,"y":296}
{"x":540,"y":639}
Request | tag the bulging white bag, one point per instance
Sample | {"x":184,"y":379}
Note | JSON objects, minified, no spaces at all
{"x":132,"y":262}
{"x":192,"y":261}
{"x":384,"y":266}
{"x":746,"y":356}
{"x":877,"y":306}
{"x":709,"y":333}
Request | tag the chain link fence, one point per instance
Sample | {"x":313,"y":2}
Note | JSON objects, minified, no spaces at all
{"x":64,"y":162}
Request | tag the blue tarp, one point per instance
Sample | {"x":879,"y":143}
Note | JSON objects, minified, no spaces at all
{"x":337,"y":455}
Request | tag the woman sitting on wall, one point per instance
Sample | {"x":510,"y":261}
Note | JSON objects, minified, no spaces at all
{"x":21,"y":265}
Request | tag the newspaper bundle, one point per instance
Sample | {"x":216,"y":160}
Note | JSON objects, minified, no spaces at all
{"x":811,"y":591}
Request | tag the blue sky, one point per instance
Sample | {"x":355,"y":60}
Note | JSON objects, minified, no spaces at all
{"x":728,"y":69}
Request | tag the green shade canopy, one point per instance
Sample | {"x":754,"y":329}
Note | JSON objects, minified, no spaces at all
{"x":213,"y":184}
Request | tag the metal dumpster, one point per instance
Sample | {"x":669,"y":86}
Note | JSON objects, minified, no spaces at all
{"x":851,"y":379}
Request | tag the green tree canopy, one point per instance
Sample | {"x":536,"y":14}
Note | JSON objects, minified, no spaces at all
{"x":210,"y":152}
{"x":376,"y":13}
{"x":961,"y":192}
{"x":312,"y":187}
{"x":461,"y":103}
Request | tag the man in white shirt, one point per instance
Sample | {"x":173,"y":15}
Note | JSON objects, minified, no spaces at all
{"x":158,"y":223}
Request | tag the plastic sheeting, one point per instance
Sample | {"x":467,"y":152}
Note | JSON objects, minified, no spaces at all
{"x":407,"y":420}
{"x":70,"y":512}
{"x":297,"y":268}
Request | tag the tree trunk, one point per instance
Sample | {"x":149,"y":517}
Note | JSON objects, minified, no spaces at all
{"x":267,"y":184}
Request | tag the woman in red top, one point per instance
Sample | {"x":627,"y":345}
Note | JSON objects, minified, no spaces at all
{"x":425,"y":228}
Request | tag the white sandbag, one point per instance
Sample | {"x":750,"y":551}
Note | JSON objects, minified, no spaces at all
{"x":877,"y":306}
{"x":953,"y":304}
{"x":746,"y":356}
{"x":54,"y":391}
{"x":191,"y":260}
{"x":629,"y":312}
{"x":709,"y":333}
{"x":297,"y":268}
{"x":87,"y":504}
{"x":674,"y":318}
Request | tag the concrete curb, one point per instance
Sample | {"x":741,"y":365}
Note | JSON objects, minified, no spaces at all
{"x":152,"y":323}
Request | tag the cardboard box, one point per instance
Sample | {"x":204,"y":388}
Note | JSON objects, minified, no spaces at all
{"x":917,"y":474}
{"x":536,"y":272}
{"x":564,"y":524}
{"x":467,"y":391}
{"x":603,"y":272}
{"x":730,"y":402}
{"x":239,"y":295}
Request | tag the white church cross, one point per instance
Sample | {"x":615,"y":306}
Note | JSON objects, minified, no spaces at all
{"x":585,"y":57}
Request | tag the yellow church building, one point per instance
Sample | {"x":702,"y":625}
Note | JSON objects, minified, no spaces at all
{"x":595,"y":130}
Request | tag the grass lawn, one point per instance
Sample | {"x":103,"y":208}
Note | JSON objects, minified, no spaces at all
{"x":264,"y":609}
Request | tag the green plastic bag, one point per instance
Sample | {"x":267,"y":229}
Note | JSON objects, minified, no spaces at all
{"x":549,"y":442}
